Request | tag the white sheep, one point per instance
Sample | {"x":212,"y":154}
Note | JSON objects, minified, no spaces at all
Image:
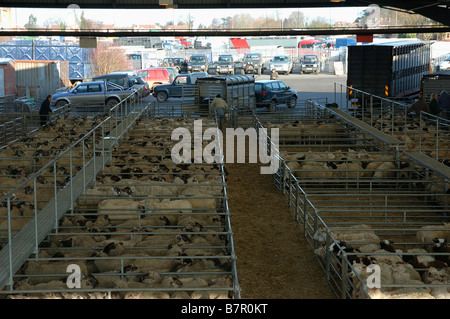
{"x":427,"y":233}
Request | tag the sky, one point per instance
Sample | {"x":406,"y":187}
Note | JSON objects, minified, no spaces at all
{"x":127,"y":17}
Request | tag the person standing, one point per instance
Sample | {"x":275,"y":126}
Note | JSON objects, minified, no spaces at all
{"x":274,"y":75}
{"x":419,"y":106}
{"x":45,"y":110}
{"x":444,"y":104}
{"x":219,"y":107}
{"x":433,"y":105}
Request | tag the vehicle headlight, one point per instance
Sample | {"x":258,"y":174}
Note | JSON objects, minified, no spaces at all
{"x":189,"y":66}
{"x":315,"y":65}
{"x":203,"y":66}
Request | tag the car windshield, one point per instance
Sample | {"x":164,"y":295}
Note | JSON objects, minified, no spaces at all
{"x":197,"y":59}
{"x":310,"y":59}
{"x":225,"y":59}
{"x":252,"y":57}
{"x":280,"y":59}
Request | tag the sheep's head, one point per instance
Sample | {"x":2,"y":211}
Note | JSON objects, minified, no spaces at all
{"x":151,"y":277}
{"x":335,"y":248}
{"x":66,"y":242}
{"x":440,"y":242}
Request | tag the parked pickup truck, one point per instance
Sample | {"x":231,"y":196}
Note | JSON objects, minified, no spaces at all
{"x":182,"y":86}
{"x":96,"y":93}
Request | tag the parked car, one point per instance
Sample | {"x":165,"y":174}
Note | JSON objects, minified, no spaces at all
{"x":183,"y":85}
{"x":282,"y":63}
{"x":253,"y":62}
{"x":224,"y":65}
{"x":444,"y":65}
{"x":172,"y":73}
{"x":137,"y":82}
{"x":310,"y":64}
{"x":154,"y":76}
{"x":95,"y":93}
{"x":198,"y":63}
{"x":270,"y":93}
{"x":179,"y":64}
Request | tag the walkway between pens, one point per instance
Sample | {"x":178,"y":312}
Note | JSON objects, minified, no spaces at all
{"x":274,"y":261}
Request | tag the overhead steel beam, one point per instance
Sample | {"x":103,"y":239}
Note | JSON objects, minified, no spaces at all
{"x":234,"y":33}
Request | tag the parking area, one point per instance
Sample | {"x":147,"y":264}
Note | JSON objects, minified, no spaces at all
{"x":308,"y":86}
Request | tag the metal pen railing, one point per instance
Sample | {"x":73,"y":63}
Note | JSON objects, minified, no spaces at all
{"x":47,"y":204}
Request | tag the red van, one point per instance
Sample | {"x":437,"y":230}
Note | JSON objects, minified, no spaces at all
{"x":154,"y":76}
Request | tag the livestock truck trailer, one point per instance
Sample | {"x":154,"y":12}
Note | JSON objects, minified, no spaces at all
{"x":391,"y":70}
{"x":434,"y":83}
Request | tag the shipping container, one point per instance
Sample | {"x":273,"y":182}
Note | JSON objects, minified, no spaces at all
{"x":79,"y":66}
{"x":391,"y":69}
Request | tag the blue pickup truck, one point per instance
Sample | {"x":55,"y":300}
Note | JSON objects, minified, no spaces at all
{"x":182,"y":86}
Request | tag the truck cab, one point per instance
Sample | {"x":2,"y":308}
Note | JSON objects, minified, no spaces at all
{"x":310,"y":64}
{"x":224,"y":65}
{"x":282,"y":64}
{"x":198,"y":63}
{"x":253,"y":63}
{"x":95,"y":93}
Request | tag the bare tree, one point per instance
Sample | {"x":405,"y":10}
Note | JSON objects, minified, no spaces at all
{"x":107,"y":58}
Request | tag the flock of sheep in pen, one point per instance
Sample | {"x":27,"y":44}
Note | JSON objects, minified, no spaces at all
{"x":147,"y":228}
{"x":416,"y":134}
{"x":25,"y":156}
{"x":337,"y":167}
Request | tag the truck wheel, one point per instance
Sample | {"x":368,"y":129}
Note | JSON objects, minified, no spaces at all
{"x":161,"y":96}
{"x":111,"y":103}
{"x":61,"y":103}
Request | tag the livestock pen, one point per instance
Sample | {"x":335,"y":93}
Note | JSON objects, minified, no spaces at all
{"x":351,"y":187}
{"x":140,"y":227}
{"x":425,"y":133}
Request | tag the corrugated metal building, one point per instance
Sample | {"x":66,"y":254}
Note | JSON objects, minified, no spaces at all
{"x":7,"y":77}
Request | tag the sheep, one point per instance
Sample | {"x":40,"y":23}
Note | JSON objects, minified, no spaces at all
{"x":171,"y":209}
{"x":391,"y":274}
{"x":119,"y":209}
{"x":385,"y":170}
{"x":426,"y":233}
{"x":58,"y":268}
{"x":360,"y":233}
{"x":440,"y":246}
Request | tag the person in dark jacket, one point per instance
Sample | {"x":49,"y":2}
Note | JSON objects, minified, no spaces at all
{"x":444,"y":104}
{"x":45,"y":110}
{"x":419,"y":106}
{"x":434,"y":108}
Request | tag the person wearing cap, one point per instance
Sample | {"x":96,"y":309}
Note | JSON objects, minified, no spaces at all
{"x":219,"y":107}
{"x":274,"y":75}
